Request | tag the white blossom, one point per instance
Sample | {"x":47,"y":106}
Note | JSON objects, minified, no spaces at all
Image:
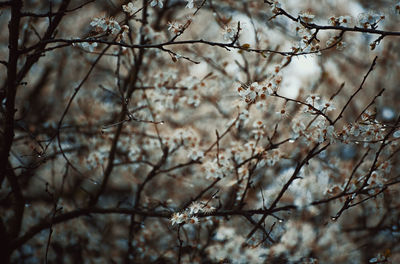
{"x":157,"y":2}
{"x":178,"y":218}
{"x":130,"y":9}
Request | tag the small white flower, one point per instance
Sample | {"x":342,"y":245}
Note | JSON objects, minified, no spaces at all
{"x":282,"y":114}
{"x":196,"y":154}
{"x":331,"y":41}
{"x":261,"y":104}
{"x":312,"y":99}
{"x":229,"y":33}
{"x":177,"y":218}
{"x":194,"y":220}
{"x":89,"y":46}
{"x":298,"y":129}
{"x":129,"y":8}
{"x":114,"y":26}
{"x":369,"y":19}
{"x":258,"y":124}
{"x":208,"y":208}
{"x":214,"y":171}
{"x":341,"y":45}
{"x":248,"y":94}
{"x":271,"y":88}
{"x":157,"y":2}
{"x":344,"y":21}
{"x":333,"y":21}
{"x":99,"y":23}
{"x":106,"y":24}
{"x":306,"y":17}
{"x":355,"y":130}
{"x":194,"y":100}
{"x":328,"y":106}
{"x":330,"y":134}
{"x":275,"y":7}
{"x":195,"y":208}
{"x":174,"y":27}
{"x":273,"y":157}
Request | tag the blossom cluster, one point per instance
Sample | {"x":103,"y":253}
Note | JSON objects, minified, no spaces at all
{"x":189,"y":215}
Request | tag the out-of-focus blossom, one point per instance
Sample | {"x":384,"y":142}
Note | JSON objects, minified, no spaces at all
{"x":157,"y":2}
{"x":130,"y":9}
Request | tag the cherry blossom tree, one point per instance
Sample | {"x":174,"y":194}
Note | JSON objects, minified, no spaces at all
{"x":199,"y":131}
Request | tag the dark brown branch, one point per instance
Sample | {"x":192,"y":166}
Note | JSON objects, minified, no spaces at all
{"x":371,"y":103}
{"x":357,"y":91}
{"x":50,"y":14}
{"x":5,"y":4}
{"x":7,"y":135}
{"x":48,"y":36}
{"x":312,"y":153}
